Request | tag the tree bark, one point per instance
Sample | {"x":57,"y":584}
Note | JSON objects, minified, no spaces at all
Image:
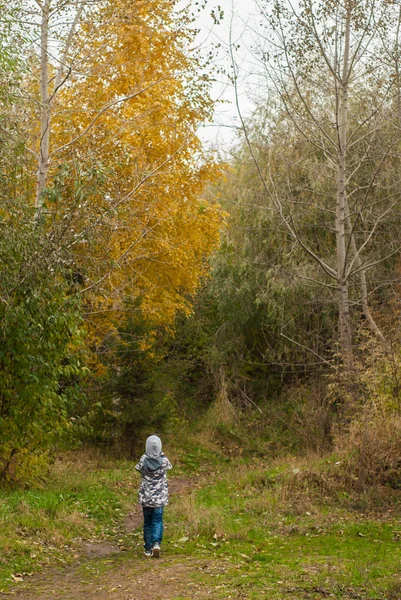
{"x":43,"y":165}
{"x":362,"y":282}
{"x":340,"y":220}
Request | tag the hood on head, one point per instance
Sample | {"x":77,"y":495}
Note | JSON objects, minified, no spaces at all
{"x":153,"y":446}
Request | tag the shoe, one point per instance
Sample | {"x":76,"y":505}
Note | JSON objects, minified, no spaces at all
{"x":156,"y":551}
{"x":148,"y":553}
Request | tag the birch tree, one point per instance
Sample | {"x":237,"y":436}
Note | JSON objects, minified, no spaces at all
{"x":47,"y":29}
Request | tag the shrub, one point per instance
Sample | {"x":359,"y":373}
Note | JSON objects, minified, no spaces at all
{"x":370,"y":430}
{"x":41,"y":357}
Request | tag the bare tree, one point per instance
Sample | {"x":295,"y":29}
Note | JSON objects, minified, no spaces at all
{"x":323,"y":63}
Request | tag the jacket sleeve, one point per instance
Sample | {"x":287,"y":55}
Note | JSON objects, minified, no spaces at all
{"x":167,"y":464}
{"x":139,"y":466}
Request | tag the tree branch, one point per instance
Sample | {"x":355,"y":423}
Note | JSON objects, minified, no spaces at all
{"x":107,"y":107}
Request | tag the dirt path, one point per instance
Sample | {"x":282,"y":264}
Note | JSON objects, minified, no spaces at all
{"x":135,"y":579}
{"x":131,"y":522}
{"x":102,"y":571}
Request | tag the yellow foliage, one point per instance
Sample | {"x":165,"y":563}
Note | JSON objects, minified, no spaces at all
{"x":132,"y":114}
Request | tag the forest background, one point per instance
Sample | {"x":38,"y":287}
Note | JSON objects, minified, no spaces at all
{"x":148,"y":285}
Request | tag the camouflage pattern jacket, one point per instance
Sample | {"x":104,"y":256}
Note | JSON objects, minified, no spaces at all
{"x":153,"y":491}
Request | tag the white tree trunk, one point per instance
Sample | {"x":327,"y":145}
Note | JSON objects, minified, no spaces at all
{"x":363,"y":283}
{"x":45,"y":112}
{"x":341,"y":214}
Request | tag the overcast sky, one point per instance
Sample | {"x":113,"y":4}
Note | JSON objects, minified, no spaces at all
{"x":238,"y":18}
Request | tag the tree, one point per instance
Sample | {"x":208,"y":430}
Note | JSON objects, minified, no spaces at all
{"x":105,"y":207}
{"x":331,"y":138}
{"x":152,"y":231}
{"x":124,"y":105}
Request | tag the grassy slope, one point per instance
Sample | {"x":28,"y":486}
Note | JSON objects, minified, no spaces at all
{"x":274,"y":541}
{"x":263,"y":530}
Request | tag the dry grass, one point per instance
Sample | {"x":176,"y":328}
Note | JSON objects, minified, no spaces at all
{"x":373,"y":449}
{"x":196,"y":519}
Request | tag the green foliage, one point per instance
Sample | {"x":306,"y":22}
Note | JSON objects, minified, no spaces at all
{"x":41,"y":349}
{"x":189,"y":358}
{"x":131,"y":401}
{"x":257,"y":323}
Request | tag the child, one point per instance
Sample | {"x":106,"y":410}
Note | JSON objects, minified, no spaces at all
{"x":153,"y":493}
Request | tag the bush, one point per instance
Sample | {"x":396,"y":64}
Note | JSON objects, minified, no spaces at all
{"x":369,"y":432}
{"x":132,"y":401}
{"x":373,"y":446}
{"x":41,"y":357}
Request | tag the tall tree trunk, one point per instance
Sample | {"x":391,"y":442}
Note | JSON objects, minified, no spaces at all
{"x":362,"y":282}
{"x":43,"y":165}
{"x":341,"y":217}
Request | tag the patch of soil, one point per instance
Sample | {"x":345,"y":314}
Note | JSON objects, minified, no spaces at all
{"x":98,"y":549}
{"x":309,"y":593}
{"x":141,"y":579}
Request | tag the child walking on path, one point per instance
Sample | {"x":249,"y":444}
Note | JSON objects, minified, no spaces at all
{"x":153,"y":493}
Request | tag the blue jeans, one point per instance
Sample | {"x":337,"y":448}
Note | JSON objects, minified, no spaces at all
{"x":152,"y":526}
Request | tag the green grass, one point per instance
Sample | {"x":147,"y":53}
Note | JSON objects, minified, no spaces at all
{"x":83,"y":499}
{"x":261,"y":532}
{"x":272,"y":548}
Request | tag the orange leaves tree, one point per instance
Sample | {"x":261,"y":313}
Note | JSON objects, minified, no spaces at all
{"x":130,"y":114}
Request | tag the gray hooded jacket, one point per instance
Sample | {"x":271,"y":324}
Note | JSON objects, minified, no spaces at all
{"x":153,"y":467}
